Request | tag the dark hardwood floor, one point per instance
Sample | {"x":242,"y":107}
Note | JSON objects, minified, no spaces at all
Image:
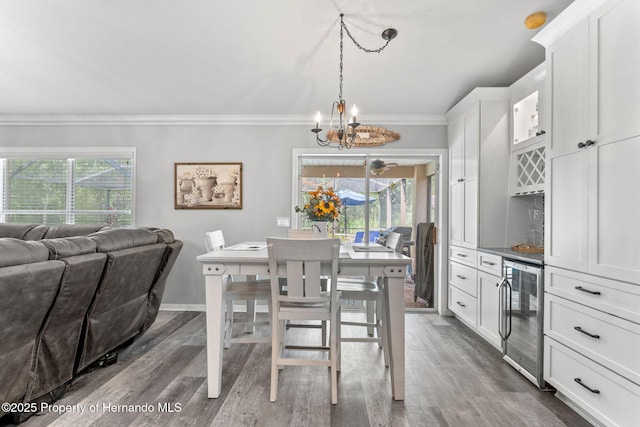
{"x":453,"y":378}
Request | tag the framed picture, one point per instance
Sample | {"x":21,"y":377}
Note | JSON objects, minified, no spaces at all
{"x":208,"y":186}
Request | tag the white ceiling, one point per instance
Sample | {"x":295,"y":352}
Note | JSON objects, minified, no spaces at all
{"x":257,"y":57}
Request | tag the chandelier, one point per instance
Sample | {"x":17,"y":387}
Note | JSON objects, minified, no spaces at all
{"x":344,"y":134}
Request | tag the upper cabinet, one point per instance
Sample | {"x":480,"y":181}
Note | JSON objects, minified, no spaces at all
{"x":479,"y":159}
{"x":527,"y":101}
{"x":528,"y":133}
{"x":594,"y":78}
{"x":593,"y":74}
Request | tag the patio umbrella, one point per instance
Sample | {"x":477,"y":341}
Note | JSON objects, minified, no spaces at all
{"x":351,"y":198}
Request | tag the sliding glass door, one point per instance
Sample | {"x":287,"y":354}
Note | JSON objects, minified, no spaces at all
{"x":379,"y":193}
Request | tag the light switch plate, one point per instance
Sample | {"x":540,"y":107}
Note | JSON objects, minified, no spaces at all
{"x":283,"y":221}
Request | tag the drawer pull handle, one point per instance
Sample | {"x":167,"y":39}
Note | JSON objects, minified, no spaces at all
{"x":581,"y":289}
{"x":592,"y":390}
{"x":460,"y":304}
{"x":462,"y":255}
{"x":579,"y":329}
{"x":461,"y":277}
{"x":488,"y":262}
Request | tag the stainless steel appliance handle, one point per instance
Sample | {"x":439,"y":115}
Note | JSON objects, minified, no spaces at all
{"x":502,"y":302}
{"x":500,"y":286}
{"x":510,"y":307}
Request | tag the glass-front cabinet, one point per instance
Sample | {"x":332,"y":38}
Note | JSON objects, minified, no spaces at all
{"x":527,"y":118}
{"x":527,"y":133}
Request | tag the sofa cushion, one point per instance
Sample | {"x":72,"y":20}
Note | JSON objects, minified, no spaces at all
{"x":69,"y":246}
{"x":123,"y":238}
{"x":164,"y":235}
{"x":18,"y":252}
{"x":68,"y":230}
{"x":23,"y":231}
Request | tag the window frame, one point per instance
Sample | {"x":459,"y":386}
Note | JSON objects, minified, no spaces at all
{"x":70,"y":154}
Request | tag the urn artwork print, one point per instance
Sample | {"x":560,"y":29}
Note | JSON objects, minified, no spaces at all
{"x":208,"y":185}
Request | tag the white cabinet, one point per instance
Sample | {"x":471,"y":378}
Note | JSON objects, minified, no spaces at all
{"x":473,"y":291}
{"x":594,"y":145}
{"x":592,"y":344}
{"x":464,"y":145}
{"x":592,"y":278}
{"x":479,"y":168}
{"x":489,"y":308}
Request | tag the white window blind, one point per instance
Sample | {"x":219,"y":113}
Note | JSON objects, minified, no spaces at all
{"x":68,"y":186}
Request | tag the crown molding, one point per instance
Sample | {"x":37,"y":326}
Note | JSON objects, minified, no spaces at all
{"x":207,"y":120}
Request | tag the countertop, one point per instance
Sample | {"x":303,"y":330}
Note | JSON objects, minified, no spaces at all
{"x":537,"y":259}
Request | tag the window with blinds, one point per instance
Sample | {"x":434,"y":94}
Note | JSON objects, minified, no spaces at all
{"x":94,"y":187}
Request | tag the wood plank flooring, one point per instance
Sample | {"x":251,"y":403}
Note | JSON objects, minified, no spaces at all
{"x":453,"y":378}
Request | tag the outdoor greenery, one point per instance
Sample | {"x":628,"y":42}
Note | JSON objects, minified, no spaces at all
{"x":354,"y":216}
{"x":58,"y":191}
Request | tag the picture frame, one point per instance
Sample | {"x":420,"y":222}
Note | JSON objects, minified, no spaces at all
{"x":208,"y":185}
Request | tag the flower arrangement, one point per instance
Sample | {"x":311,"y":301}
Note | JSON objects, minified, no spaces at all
{"x":204,"y":173}
{"x":323,"y":205}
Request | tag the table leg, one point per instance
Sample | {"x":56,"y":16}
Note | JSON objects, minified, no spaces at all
{"x":394,"y":307}
{"x":215,"y":292}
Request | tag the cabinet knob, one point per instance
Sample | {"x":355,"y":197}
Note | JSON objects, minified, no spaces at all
{"x":540,"y":133}
{"x":581,"y":145}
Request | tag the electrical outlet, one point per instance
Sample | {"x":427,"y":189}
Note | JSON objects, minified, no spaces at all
{"x":283,"y":221}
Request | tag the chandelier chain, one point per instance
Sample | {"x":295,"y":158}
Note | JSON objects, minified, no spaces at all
{"x":341,"y":56}
{"x":343,"y":25}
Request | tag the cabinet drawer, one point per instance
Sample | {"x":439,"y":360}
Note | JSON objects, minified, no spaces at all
{"x":611,"y":296}
{"x":608,"y":340}
{"x":617,"y":401}
{"x":464,"y":278}
{"x":490,"y":263}
{"x":463,"y":255}
{"x":463,"y":305}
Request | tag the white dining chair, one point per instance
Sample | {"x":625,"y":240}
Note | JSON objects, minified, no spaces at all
{"x":301,"y":263}
{"x":249,"y":290}
{"x":306,"y":233}
{"x":369,"y":290}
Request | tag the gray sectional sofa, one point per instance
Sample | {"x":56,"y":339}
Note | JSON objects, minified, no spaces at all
{"x":70,"y":296}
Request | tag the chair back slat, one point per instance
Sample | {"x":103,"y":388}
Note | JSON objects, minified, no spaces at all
{"x":295,"y":278}
{"x":312,"y":278}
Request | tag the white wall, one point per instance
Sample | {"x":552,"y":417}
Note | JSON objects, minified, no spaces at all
{"x":265,"y":152}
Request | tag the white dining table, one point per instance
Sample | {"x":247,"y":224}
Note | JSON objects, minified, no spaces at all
{"x":251,"y":258}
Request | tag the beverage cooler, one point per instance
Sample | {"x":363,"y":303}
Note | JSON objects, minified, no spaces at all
{"x":521,"y":315}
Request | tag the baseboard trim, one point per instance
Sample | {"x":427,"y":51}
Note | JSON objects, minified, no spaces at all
{"x":183,"y":307}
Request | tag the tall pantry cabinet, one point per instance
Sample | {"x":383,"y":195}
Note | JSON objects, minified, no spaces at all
{"x":592,"y":231}
{"x":478,"y":192}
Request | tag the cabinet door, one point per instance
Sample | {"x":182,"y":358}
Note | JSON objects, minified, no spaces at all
{"x":456,"y":150}
{"x":615,"y":79}
{"x":470,"y":218}
{"x":456,"y":214}
{"x":568,"y":59}
{"x":566,"y":213}
{"x":488,"y":308}
{"x":614,"y":200}
{"x":471,"y":143}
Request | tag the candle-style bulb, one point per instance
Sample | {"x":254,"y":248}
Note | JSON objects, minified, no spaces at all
{"x":354,"y":110}
{"x":318,"y":118}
